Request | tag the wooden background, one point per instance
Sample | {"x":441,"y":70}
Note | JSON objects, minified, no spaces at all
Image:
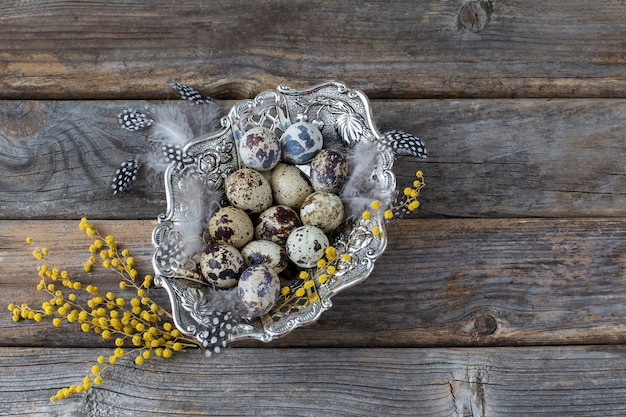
{"x":505,"y":295}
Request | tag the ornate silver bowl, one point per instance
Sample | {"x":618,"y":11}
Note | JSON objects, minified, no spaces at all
{"x":345,"y":119}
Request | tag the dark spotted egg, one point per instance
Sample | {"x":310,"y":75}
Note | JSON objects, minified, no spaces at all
{"x":259,"y":289}
{"x":231,"y":226}
{"x":329,"y":171}
{"x":306,"y":245}
{"x":260,"y":149}
{"x":267,"y":253}
{"x":301,"y":142}
{"x":276,"y":224}
{"x":221,"y":265}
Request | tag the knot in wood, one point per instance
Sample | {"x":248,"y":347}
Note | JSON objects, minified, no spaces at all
{"x":485,"y":325}
{"x":474,"y":15}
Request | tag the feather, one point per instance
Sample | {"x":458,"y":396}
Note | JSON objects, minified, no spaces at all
{"x":170,"y":126}
{"x":198,"y":201}
{"x":362,"y":187}
{"x":219,"y":311}
{"x":173,"y":127}
{"x":227,"y":301}
{"x":403,"y":143}
{"x":132,"y":119}
{"x":205,"y":118}
{"x":187,"y":93}
{"x":125,"y":175}
{"x":154,"y":162}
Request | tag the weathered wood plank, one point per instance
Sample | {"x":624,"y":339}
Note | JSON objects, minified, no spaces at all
{"x":569,"y":381}
{"x":440,"y":283}
{"x":68,"y":50}
{"x":488,"y":158}
{"x":58,"y":160}
{"x":525,"y":158}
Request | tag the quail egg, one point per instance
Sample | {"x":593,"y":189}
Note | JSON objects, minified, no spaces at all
{"x":306,"y":245}
{"x":267,"y":253}
{"x":221,"y":265}
{"x":259,"y":289}
{"x":260,"y":149}
{"x":323,"y":210}
{"x":301,"y":142}
{"x":248,"y":190}
{"x":231,"y":226}
{"x":276,"y":224}
{"x":290,"y":186}
{"x":329,"y":171}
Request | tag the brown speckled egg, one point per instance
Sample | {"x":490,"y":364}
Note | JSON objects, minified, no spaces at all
{"x":259,"y":289}
{"x":248,"y":190}
{"x":323,"y":210}
{"x":231,"y":226}
{"x":276,"y":224}
{"x":290,"y":185}
{"x":329,"y":171}
{"x":221,"y":265}
{"x":264,"y":252}
{"x":260,"y":149}
{"x":306,"y":245}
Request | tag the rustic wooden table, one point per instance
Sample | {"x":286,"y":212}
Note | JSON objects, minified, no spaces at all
{"x":504,"y":295}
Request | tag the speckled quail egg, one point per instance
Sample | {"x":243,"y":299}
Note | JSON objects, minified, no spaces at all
{"x":267,"y":253}
{"x":248,"y":190}
{"x":259,"y":289}
{"x":323,"y":210}
{"x":221,"y":265}
{"x":289,"y":185}
{"x":306,"y":245}
{"x":276,"y":224}
{"x":260,"y":149}
{"x":301,"y":142}
{"x":329,"y":171}
{"x":231,"y":226}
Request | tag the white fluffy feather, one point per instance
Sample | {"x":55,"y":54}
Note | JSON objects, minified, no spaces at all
{"x":227,"y":301}
{"x":176,"y":125}
{"x":170,"y":125}
{"x":204,"y":118}
{"x":154,"y":162}
{"x":199,"y":201}
{"x":362,"y":187}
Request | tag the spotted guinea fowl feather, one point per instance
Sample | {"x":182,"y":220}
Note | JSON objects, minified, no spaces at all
{"x":403,"y":143}
{"x":187,"y":93}
{"x":133,"y":119}
{"x":171,"y":128}
{"x":125,"y":175}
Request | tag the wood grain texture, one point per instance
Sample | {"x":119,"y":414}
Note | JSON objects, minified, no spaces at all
{"x":488,"y":158}
{"x":571,"y":381}
{"x":58,"y":159}
{"x":129,"y":49}
{"x":440,"y":283}
{"x":503,"y":296}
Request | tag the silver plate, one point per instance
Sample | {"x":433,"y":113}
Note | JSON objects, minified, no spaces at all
{"x":345,"y":118}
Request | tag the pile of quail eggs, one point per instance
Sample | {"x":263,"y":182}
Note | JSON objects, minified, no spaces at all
{"x":278,"y":216}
